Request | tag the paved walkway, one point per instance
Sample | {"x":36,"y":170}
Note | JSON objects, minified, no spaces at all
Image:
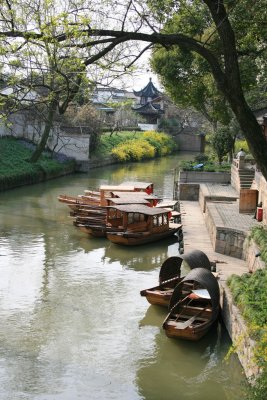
{"x":196,"y":237}
{"x":214,"y":189}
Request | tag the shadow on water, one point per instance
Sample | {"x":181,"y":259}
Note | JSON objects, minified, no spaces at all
{"x":142,"y":258}
{"x":188,"y":370}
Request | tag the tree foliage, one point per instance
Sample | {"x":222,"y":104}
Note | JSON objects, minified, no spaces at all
{"x":222,"y":142}
{"x":106,"y":34}
{"x":187,"y":77}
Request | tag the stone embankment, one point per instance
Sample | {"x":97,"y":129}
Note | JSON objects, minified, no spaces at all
{"x":214,"y":226}
{"x":42,"y":176}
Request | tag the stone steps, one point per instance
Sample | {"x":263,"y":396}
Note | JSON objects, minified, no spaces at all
{"x":246,"y":178}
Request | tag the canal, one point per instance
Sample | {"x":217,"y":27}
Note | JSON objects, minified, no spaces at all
{"x":73,"y":324}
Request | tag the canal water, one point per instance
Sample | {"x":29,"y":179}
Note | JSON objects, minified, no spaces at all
{"x":73,"y":324}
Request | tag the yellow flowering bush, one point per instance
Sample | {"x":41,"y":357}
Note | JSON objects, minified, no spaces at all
{"x":134,"y":150}
{"x":163,"y":143}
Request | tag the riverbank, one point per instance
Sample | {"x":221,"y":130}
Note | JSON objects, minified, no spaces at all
{"x":16,"y":170}
{"x":196,"y":235}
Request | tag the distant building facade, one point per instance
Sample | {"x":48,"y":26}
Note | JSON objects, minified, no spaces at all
{"x":149,"y":106}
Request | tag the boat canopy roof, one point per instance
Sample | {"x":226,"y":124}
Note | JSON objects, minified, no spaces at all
{"x":196,"y":259}
{"x":207,"y":280}
{"x":170,"y":268}
{"x":128,"y":200}
{"x":134,"y":195}
{"x":167,"y":203}
{"x":130,"y":187}
{"x":139,"y":208}
{"x":137,"y":184}
{"x":172,"y":265}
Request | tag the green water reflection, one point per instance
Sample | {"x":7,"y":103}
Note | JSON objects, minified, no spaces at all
{"x":73,"y":325}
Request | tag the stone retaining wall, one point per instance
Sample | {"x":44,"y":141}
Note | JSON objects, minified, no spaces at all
{"x":190,"y":142}
{"x":243,"y":345}
{"x":85,"y":166}
{"x":41,"y":177}
{"x":188,"y":185}
{"x":203,"y":176}
{"x":252,"y":255}
{"x":235,"y":180}
{"x":186,"y":191}
{"x":224,"y":240}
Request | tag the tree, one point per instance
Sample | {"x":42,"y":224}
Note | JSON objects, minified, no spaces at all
{"x":88,"y":119}
{"x":186,"y":76}
{"x":124,"y":117}
{"x":222,"y":142}
{"x":125,"y":26}
{"x":187,"y":80}
{"x":42,"y":67}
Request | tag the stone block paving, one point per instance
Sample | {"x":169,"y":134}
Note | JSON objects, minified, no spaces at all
{"x":224,"y":214}
{"x":220,"y":190}
{"x":196,"y":237}
{"x":231,"y":218}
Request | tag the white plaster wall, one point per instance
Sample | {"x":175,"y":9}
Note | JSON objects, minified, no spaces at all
{"x":75,"y":146}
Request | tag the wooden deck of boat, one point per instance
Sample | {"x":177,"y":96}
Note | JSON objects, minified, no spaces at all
{"x":196,"y":236}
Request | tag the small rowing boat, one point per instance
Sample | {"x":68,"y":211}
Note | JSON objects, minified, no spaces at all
{"x":170,"y":276}
{"x":194,"y":306}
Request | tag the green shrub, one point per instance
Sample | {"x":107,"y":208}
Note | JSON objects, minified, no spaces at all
{"x":208,"y":167}
{"x":201,"y":158}
{"x":259,"y":235}
{"x":15,"y":168}
{"x":249,"y":293}
{"x":258,"y":389}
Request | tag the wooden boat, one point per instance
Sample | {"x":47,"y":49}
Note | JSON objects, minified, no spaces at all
{"x":139,"y":224}
{"x":147,"y":187}
{"x":194,"y":306}
{"x":94,"y":198}
{"x":106,"y":191}
{"x":134,"y":197}
{"x":170,"y":276}
{"x":95,"y":223}
{"x":96,"y":230}
{"x":75,"y":202}
{"x":172,"y":206}
{"x":161,"y":294}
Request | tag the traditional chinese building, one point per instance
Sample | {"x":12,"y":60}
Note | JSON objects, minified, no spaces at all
{"x":150,"y":104}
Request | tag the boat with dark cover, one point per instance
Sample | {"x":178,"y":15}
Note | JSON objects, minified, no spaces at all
{"x":194,"y":306}
{"x":170,"y":276}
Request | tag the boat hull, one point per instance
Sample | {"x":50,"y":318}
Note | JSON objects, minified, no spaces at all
{"x":133,"y":239}
{"x":158,"y":296}
{"x":192,"y":333}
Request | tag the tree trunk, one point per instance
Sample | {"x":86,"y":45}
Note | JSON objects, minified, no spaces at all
{"x":45,"y":135}
{"x":253,"y":133}
{"x":232,"y":87}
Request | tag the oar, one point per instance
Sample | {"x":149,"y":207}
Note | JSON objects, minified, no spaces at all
{"x":183,"y":325}
{"x":178,"y":302}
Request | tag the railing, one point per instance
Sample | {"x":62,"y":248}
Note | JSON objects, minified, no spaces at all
{"x":242,"y":163}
